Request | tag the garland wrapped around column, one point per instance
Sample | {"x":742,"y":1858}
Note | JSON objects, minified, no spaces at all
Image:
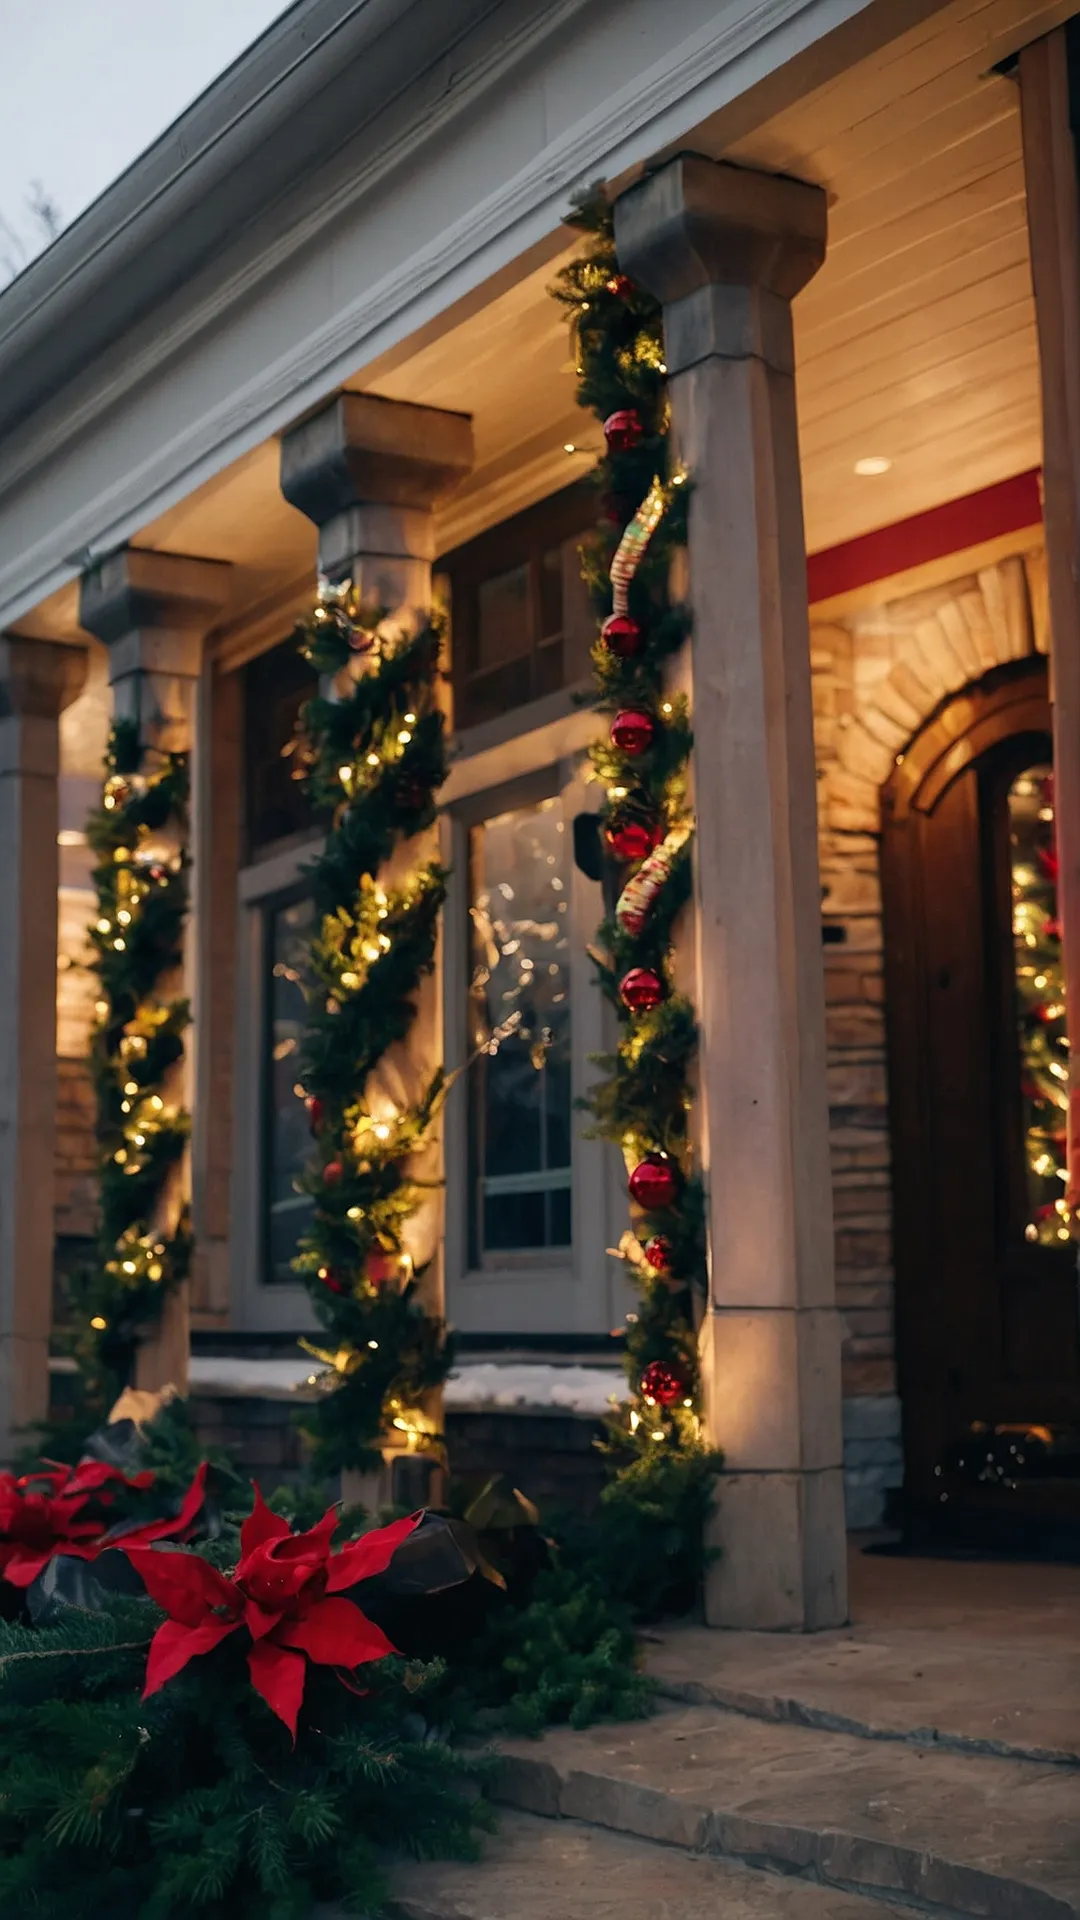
{"x":139,"y":835}
{"x":373,"y":759}
{"x":642,"y":1104}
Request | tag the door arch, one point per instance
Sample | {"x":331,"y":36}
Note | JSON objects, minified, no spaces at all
{"x":988,"y":1343}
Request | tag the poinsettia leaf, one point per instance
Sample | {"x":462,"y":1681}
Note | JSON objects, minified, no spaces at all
{"x":336,"y":1634}
{"x":261,"y":1524}
{"x":278,"y":1675}
{"x":170,"y":1526}
{"x":185,"y":1585}
{"x":369,"y":1555}
{"x":174,"y":1644}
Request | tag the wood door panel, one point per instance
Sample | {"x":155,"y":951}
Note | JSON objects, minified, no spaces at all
{"x":987,"y":1322}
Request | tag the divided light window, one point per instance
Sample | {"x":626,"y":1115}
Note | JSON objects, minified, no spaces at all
{"x":519,"y":611}
{"x":286,"y":1214}
{"x":276,"y":685}
{"x":520,"y":1108}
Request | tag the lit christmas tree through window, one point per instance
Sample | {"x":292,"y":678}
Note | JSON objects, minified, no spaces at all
{"x":1040,"y":1002}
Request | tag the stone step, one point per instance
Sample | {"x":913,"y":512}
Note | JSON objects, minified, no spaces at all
{"x":544,"y":1870}
{"x":955,"y":1689}
{"x":952,"y":1833}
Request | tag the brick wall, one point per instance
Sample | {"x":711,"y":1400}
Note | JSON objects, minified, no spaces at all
{"x":879,"y":672}
{"x":76,"y":1150}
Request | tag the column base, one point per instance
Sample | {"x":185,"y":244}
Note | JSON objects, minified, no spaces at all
{"x":783,"y":1546}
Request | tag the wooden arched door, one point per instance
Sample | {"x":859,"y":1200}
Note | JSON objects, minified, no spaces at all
{"x":988,"y":1343}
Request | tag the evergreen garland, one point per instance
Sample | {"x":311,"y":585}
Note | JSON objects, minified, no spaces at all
{"x":139,"y":837}
{"x":372,"y":759}
{"x":642,"y":1104}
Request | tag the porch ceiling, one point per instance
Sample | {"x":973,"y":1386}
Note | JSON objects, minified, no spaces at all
{"x":915,"y":343}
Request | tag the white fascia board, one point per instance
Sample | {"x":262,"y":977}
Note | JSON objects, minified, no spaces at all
{"x":462,"y":176}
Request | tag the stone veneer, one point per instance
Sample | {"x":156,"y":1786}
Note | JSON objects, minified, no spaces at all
{"x":879,"y":672}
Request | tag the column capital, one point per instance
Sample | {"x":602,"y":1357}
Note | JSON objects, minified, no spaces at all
{"x":39,"y":678}
{"x":726,"y":250}
{"x":153,"y":611}
{"x":364,"y":450}
{"x":137,"y":590}
{"x":697,"y":222}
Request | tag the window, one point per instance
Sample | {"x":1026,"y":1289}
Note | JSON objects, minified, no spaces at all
{"x":1040,"y":999}
{"x":276,"y":685}
{"x":521,"y":621}
{"x":287,"y":1142}
{"x":521,"y":1105}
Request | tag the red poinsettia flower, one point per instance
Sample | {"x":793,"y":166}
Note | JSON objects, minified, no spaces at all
{"x":67,"y":1510}
{"x":287,"y":1591}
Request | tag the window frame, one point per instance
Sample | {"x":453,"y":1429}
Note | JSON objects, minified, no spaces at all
{"x":522,"y":541}
{"x":259,"y":1305}
{"x":532,"y":1292}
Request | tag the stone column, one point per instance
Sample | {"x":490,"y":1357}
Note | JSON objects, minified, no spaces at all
{"x":368,"y":472}
{"x":726,"y":250}
{"x":1048,"y":114}
{"x":38,"y":679}
{"x":153,"y":611}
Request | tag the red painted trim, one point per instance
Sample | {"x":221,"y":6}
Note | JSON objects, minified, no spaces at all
{"x":1006,"y":508}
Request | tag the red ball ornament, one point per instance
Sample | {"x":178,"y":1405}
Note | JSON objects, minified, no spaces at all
{"x":332,"y":1173}
{"x":622,"y":636}
{"x":623,"y":430}
{"x":631,"y":839}
{"x":659,"y":1253}
{"x":633,"y":731}
{"x":653,"y":1183}
{"x":621,"y":285}
{"x":315,"y":1111}
{"x":381,"y":1267}
{"x":330,"y":1280}
{"x":641,"y":990}
{"x":661,"y":1386}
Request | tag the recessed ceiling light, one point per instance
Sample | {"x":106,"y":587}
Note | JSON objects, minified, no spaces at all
{"x":874,"y":463}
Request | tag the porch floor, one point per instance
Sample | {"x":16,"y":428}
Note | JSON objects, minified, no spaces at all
{"x":978,"y":1654}
{"x":926,"y":1757}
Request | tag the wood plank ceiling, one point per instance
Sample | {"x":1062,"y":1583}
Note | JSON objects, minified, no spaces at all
{"x":915,"y":343}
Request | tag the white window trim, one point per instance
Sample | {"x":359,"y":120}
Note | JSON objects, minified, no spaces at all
{"x":531,"y":1293}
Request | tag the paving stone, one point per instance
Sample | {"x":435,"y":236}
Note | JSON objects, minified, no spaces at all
{"x":959,"y":1653}
{"x":540,"y":1870}
{"x":971,"y":1834}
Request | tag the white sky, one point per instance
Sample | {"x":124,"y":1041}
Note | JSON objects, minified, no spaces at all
{"x":86,"y":85}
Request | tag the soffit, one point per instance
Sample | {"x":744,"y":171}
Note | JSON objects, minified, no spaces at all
{"x":916,"y":341}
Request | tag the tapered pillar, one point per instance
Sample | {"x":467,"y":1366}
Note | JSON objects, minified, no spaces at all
{"x":726,"y":251}
{"x":38,"y":679}
{"x":1049,"y":110}
{"x":369,"y":472}
{"x":153,"y":611}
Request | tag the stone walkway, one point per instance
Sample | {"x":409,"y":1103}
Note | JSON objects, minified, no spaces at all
{"x":926,"y":1758}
